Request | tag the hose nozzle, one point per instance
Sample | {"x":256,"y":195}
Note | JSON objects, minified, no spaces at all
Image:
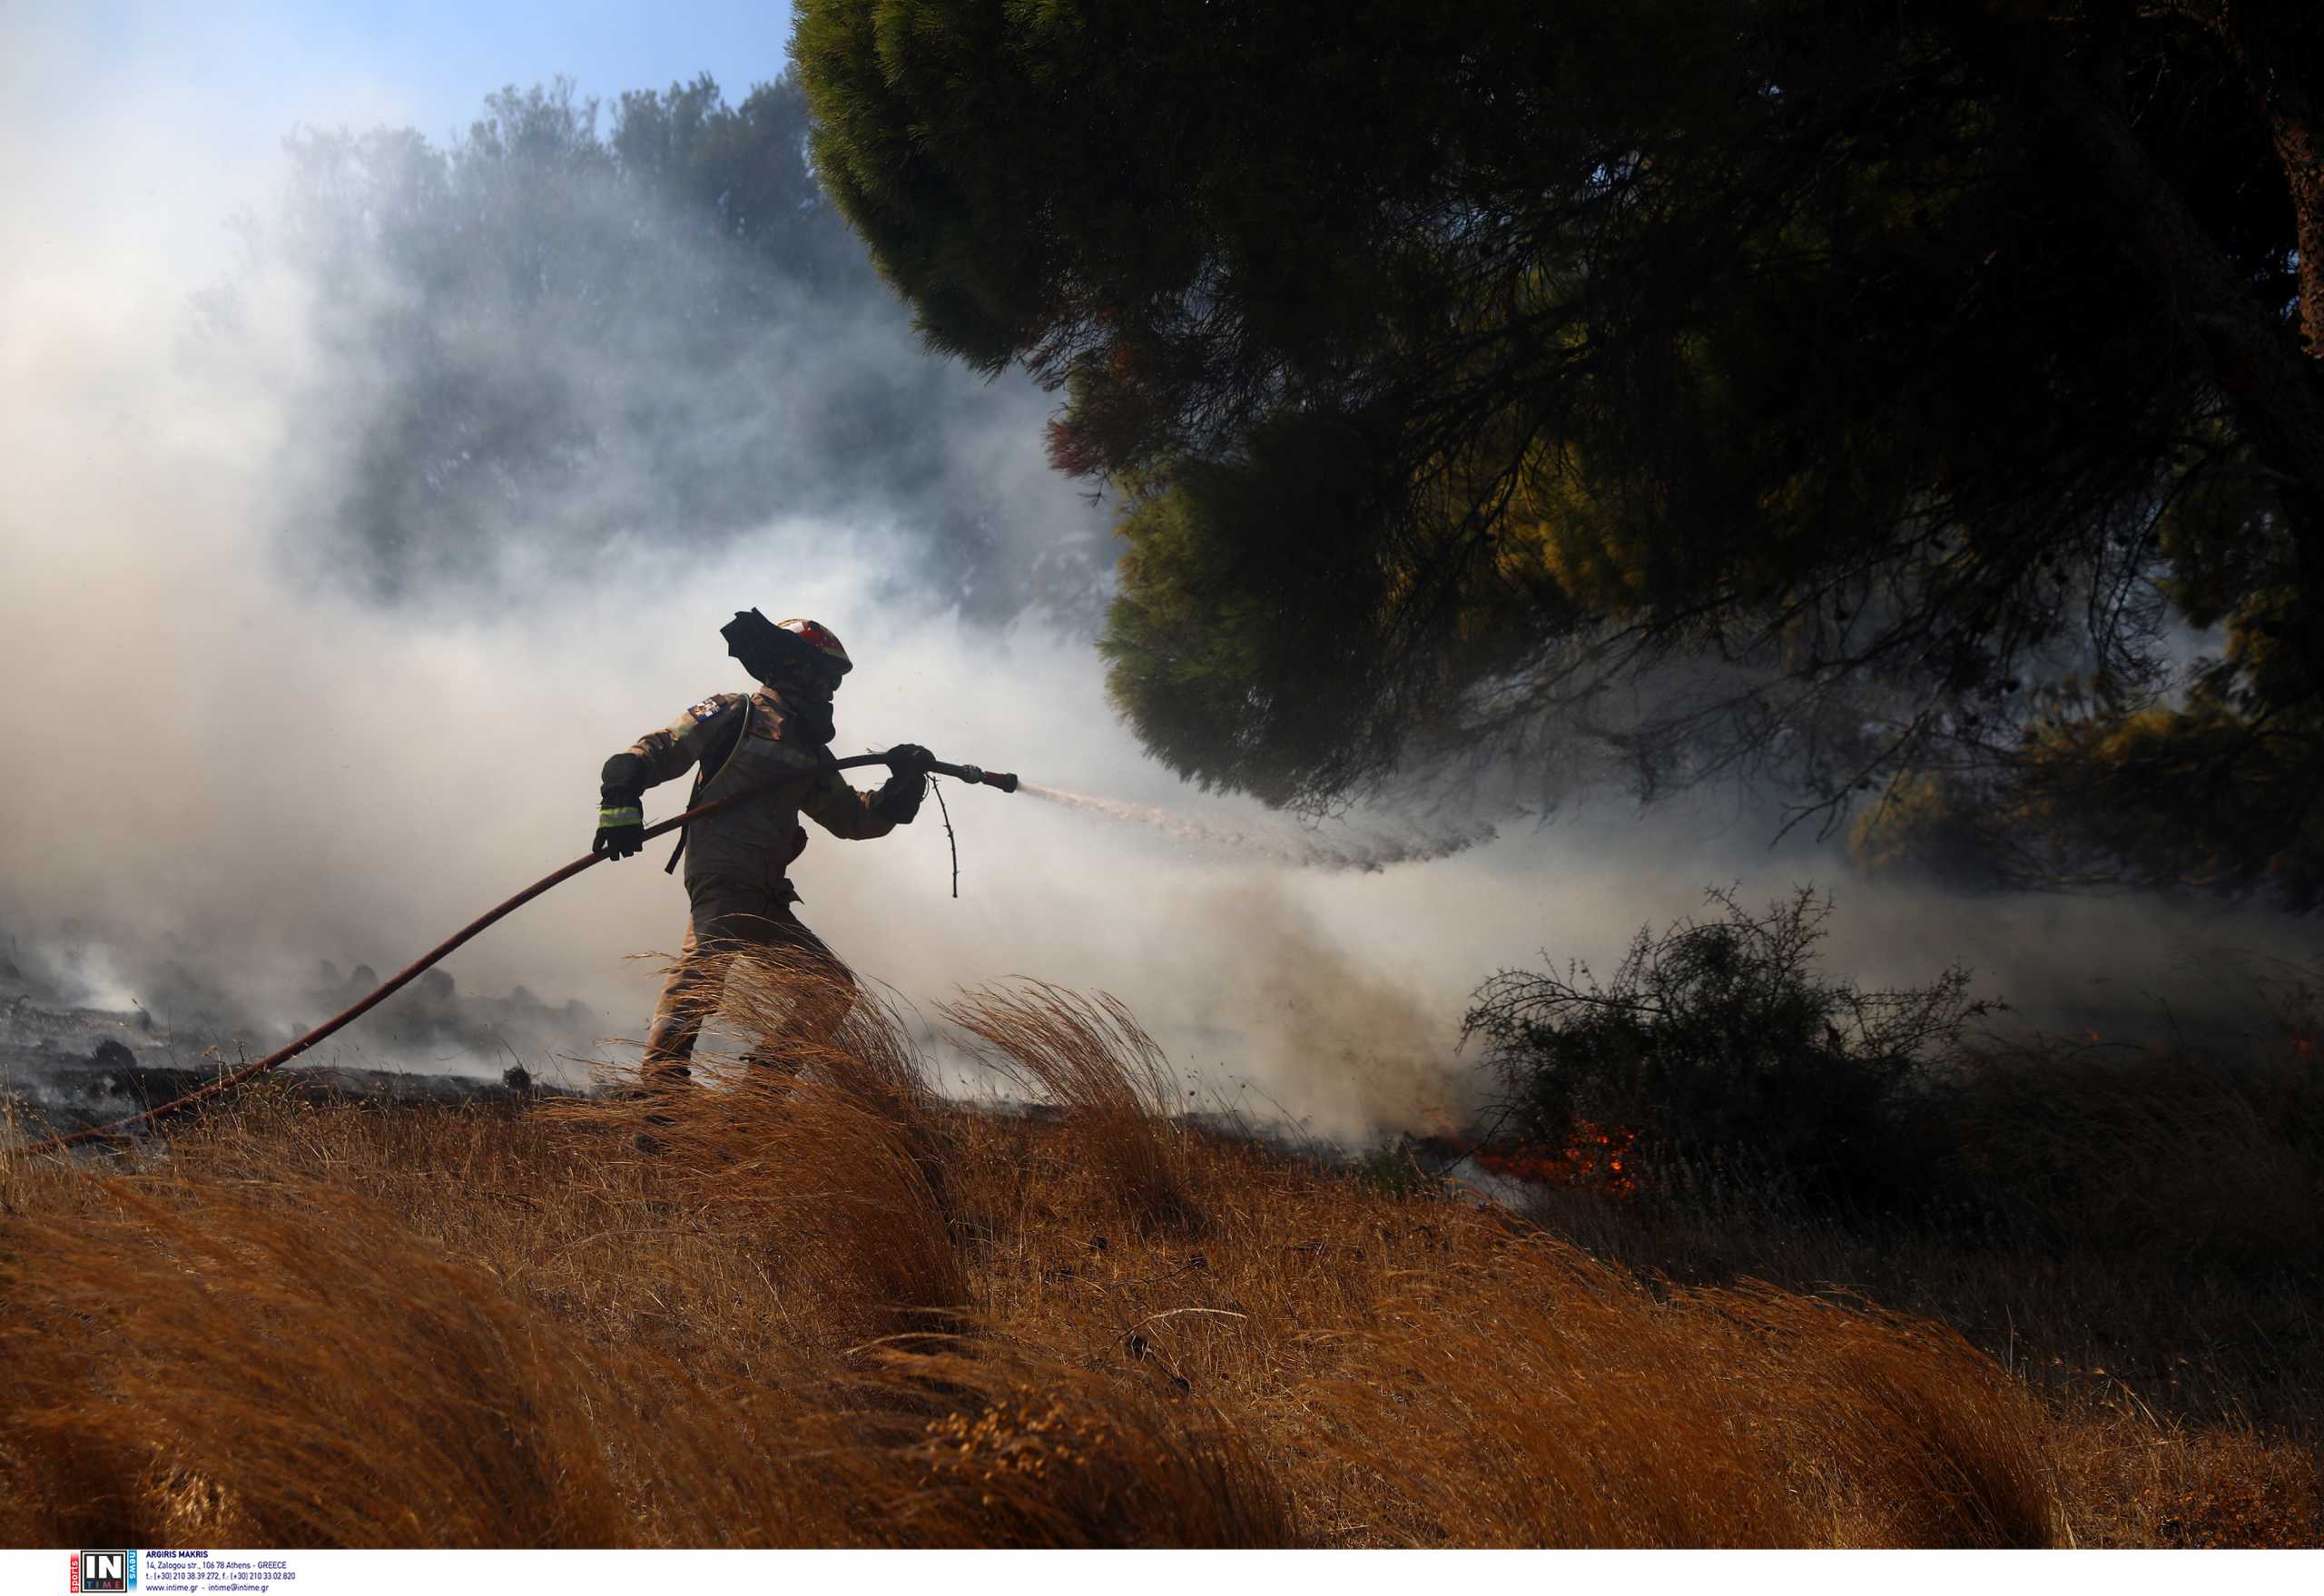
{"x":976,"y":775}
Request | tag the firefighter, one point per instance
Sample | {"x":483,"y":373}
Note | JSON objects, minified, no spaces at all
{"x":737,"y":861}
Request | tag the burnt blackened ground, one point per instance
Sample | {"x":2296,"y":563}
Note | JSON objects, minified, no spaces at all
{"x":64,"y":1065}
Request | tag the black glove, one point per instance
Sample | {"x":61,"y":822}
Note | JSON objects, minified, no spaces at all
{"x":908,"y":759}
{"x":621,"y":824}
{"x":898,"y":800}
{"x":621,"y":817}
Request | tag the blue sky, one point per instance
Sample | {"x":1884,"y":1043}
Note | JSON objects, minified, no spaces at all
{"x":450,"y":55}
{"x":255,"y":64}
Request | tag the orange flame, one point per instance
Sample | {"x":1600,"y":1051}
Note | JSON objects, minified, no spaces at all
{"x":1595,"y":1157}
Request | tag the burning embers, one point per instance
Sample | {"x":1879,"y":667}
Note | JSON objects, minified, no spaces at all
{"x":1593,"y":1158}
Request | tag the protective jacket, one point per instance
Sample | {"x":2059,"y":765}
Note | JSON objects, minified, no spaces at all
{"x":737,"y":740}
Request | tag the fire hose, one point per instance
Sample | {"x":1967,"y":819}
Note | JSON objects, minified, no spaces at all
{"x":969,"y":773}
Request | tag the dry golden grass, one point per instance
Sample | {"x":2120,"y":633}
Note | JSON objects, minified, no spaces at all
{"x":1091,"y":1058}
{"x":196,"y":1365}
{"x":830,"y":1310}
{"x":1547,"y":1398}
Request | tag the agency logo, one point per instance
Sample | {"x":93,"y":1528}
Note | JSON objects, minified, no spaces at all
{"x":101,"y":1572}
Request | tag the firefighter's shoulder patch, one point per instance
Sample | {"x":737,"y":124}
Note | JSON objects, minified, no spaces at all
{"x":682,"y":730}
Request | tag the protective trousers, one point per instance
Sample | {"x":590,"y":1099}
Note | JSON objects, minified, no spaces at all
{"x":736,"y":924}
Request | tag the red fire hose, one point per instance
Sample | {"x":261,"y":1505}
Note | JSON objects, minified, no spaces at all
{"x":225,"y":1083}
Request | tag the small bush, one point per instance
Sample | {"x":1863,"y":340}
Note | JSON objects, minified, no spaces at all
{"x":1718,"y":1043}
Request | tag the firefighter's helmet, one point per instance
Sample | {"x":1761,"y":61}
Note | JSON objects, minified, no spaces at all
{"x":769,"y":650}
{"x":823,"y":639}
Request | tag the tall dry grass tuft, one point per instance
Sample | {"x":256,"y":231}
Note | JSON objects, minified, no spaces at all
{"x":798,"y":1019}
{"x":1547,"y":1400}
{"x":1911,"y":1435}
{"x":795,"y":1184}
{"x":1017,"y":1452}
{"x":835,"y":1193}
{"x":817,"y":1154}
{"x":1091,"y":1056}
{"x":196,"y":1369}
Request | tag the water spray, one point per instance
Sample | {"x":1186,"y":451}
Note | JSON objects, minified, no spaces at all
{"x":974,"y":775}
{"x":1364,"y":850}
